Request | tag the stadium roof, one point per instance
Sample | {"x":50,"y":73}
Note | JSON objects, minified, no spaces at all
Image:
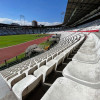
{"x":77,"y":9}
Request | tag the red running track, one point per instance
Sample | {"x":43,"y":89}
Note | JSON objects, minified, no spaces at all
{"x":10,"y":52}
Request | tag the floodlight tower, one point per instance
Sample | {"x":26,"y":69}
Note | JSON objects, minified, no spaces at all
{"x":22,"y":19}
{"x":62,"y":16}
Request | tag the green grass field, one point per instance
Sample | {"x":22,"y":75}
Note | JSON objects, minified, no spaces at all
{"x":11,"y":40}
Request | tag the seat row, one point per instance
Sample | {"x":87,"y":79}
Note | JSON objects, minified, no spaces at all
{"x":39,"y":75}
{"x":40,"y":59}
{"x":24,"y":77}
{"x":81,"y":76}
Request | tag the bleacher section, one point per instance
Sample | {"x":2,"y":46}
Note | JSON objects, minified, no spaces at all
{"x":75,"y":59}
{"x":5,"y":31}
{"x":93,"y":26}
{"x":24,"y":77}
{"x":81,"y":76}
{"x":88,"y":27}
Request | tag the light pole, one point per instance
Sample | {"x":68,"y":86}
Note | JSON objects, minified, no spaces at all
{"x":62,"y":16}
{"x":22,"y":18}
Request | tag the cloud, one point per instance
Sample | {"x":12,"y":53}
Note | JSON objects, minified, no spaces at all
{"x":49,"y":24}
{"x":8,"y":21}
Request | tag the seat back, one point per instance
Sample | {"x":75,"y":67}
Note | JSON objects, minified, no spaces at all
{"x":50,"y":70}
{"x":32,"y":70}
{"x":11,"y":76}
{"x":43,"y":63}
{"x":54,"y":55}
{"x":32,"y":86}
{"x":50,"y":58}
{"x":17,"y":79}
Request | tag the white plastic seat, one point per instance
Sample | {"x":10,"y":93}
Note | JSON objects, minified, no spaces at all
{"x":25,"y":86}
{"x":24,"y":69}
{"x":51,"y":63}
{"x":42,"y":62}
{"x":59,"y":59}
{"x":45,"y":70}
{"x":54,"y":55}
{"x":30,"y":70}
{"x":49,"y":58}
{"x":11,"y":76}
{"x":86,"y":58}
{"x":15,"y":79}
{"x":66,"y":89}
{"x":32,"y":63}
{"x":86,"y":50}
{"x":88,"y":74}
{"x":71,"y":48}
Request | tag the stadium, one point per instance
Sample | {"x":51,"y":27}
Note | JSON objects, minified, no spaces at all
{"x":58,"y":62}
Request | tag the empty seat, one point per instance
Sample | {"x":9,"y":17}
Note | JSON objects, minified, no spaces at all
{"x":32,"y":64}
{"x":40,"y":62}
{"x":11,"y":76}
{"x":86,"y":58}
{"x":15,"y":79}
{"x":66,"y":89}
{"x":45,"y":70}
{"x":31,"y":70}
{"x":49,"y":58}
{"x":59,"y":59}
{"x":25,"y":86}
{"x":88,"y":74}
{"x":86,"y":50}
{"x":51,"y":63}
{"x":23,"y":69}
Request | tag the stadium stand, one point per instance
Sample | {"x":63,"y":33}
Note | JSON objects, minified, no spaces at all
{"x":68,"y":71}
{"x":25,"y":77}
{"x":81,"y":77}
{"x":45,"y":63}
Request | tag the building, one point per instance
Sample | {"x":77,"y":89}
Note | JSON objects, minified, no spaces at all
{"x":34,"y":23}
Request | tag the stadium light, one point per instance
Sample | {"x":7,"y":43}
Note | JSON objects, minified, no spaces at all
{"x":62,"y":15}
{"x":22,"y":18}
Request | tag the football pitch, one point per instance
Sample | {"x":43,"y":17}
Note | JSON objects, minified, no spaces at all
{"x":11,"y":40}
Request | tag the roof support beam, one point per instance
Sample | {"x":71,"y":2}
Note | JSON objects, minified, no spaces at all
{"x":82,"y":3}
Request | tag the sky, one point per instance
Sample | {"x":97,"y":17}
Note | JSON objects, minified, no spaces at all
{"x":47,"y":12}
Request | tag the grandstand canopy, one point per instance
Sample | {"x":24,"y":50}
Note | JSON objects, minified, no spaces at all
{"x":77,"y":9}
